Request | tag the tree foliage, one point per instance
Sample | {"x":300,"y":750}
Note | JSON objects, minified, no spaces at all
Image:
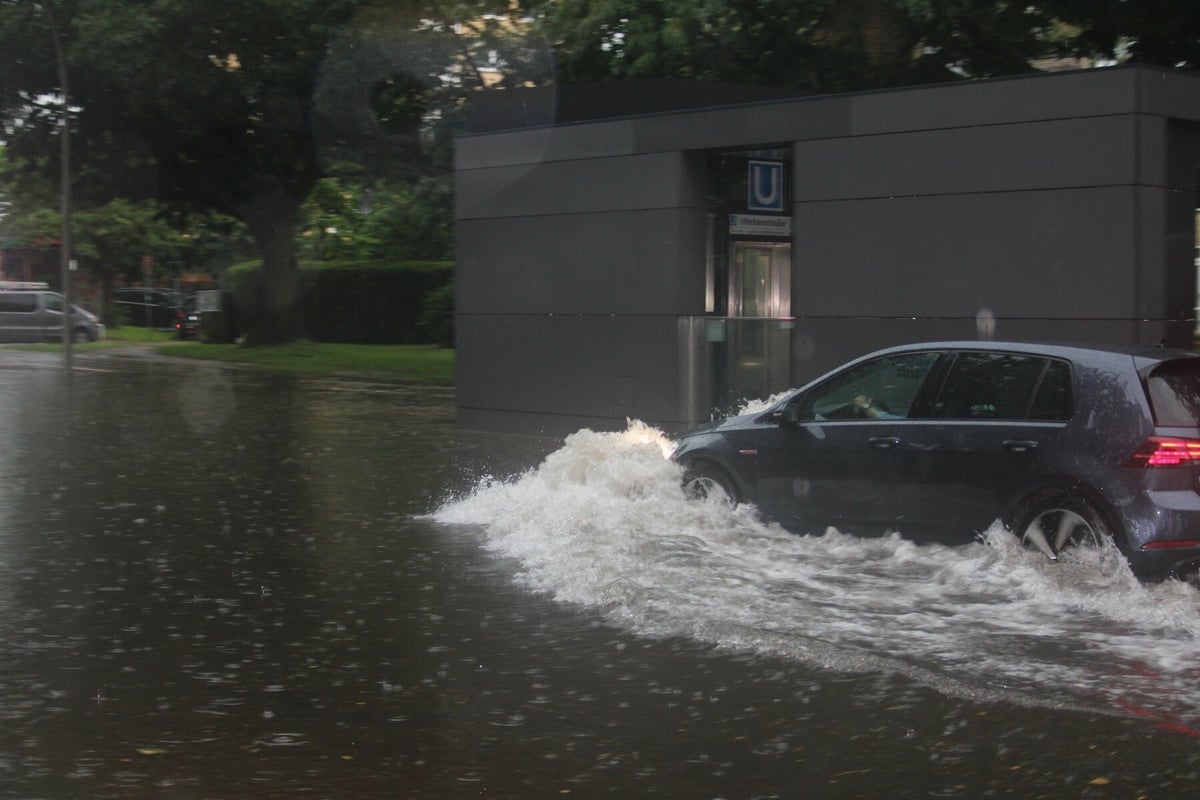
{"x":398,"y":221}
{"x":833,"y":45}
{"x":821,"y":45}
{"x":237,"y":108}
{"x":1161,"y":32}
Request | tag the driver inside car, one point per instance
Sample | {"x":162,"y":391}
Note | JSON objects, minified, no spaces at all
{"x":868,"y":408}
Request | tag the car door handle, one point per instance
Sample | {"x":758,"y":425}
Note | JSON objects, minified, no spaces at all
{"x":1019,"y":445}
{"x":883,"y":442}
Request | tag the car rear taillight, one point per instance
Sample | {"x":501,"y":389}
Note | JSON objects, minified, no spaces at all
{"x":1166,"y":451}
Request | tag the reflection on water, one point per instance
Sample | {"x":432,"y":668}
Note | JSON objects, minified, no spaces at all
{"x":223,"y":584}
{"x":195,"y":562}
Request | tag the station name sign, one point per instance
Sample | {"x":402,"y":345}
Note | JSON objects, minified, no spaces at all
{"x":760,"y":225}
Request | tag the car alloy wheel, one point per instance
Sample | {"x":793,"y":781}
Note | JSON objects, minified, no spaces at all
{"x":707,"y":483}
{"x":1058,"y":520}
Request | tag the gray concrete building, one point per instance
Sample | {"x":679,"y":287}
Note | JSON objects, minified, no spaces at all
{"x":665,"y":265}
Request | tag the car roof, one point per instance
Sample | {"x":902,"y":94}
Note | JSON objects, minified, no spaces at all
{"x":1067,"y":350}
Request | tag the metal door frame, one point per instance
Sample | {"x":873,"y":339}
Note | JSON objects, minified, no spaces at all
{"x":780,"y":293}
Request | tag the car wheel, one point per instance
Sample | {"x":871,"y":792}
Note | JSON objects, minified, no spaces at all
{"x":80,"y":336}
{"x":708,"y":483}
{"x":1053,"y":521}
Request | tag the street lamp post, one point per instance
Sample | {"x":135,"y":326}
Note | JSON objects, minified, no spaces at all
{"x":64,"y":185}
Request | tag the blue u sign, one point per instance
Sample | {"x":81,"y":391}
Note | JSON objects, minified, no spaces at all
{"x":766,"y":186}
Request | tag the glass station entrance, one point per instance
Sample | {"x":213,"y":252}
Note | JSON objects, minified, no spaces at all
{"x":741,"y":350}
{"x":760,"y":301}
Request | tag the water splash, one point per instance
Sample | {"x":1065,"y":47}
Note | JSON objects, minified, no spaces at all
{"x":602,"y":523}
{"x":758,"y":406}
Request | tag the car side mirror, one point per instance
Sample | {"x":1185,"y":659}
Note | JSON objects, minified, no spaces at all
{"x":788,"y":415}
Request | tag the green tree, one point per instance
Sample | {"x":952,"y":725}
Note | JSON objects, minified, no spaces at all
{"x":392,"y":221}
{"x":837,"y":45}
{"x":822,"y":45}
{"x":136,"y":241}
{"x":413,"y":221}
{"x":235,"y":108}
{"x":113,"y":240}
{"x":973,"y":38}
{"x":5,"y":204}
{"x":332,"y":219}
{"x":1161,"y":32}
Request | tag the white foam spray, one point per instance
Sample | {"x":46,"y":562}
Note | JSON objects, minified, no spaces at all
{"x":602,"y":523}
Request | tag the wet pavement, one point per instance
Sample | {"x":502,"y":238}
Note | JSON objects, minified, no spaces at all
{"x":220,"y":583}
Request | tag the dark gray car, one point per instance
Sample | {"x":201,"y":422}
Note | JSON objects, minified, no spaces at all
{"x":148,"y":307}
{"x":939,"y":440}
{"x":36,"y":315}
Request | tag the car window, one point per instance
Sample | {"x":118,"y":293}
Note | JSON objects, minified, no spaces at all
{"x":1054,"y":399}
{"x":54,"y":302}
{"x":987,"y":385}
{"x":1175,"y":393}
{"x":891,"y":385}
{"x":18,"y":302}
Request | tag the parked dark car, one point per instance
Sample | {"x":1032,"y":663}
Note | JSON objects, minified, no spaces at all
{"x":148,"y":307}
{"x":1062,"y":444}
{"x":187,"y":322}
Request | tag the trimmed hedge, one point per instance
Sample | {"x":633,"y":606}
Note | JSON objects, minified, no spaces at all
{"x":352,"y":303}
{"x":437,"y":319}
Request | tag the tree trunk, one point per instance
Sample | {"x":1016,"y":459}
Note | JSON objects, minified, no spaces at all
{"x":271,"y":218}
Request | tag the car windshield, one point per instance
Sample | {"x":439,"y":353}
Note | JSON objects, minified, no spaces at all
{"x":1175,"y":393}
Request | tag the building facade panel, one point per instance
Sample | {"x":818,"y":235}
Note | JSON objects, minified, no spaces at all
{"x":1086,"y":93}
{"x":582,"y":186}
{"x":1056,"y":254}
{"x":1165,"y":272}
{"x":619,"y":262}
{"x":545,"y":144}
{"x":1166,"y":93}
{"x":1036,"y":155}
{"x":1181,"y":145}
{"x":568,"y":371}
{"x":733,"y":127}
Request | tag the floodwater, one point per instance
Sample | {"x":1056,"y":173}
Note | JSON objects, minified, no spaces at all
{"x":216,"y":583}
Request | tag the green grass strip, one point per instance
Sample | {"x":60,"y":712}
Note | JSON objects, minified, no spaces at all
{"x":423,"y":364}
{"x":400,"y":363}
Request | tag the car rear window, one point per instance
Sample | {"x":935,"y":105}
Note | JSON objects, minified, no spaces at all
{"x":1174,"y":388}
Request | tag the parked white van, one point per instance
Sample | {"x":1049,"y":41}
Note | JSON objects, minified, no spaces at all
{"x":36,"y":315}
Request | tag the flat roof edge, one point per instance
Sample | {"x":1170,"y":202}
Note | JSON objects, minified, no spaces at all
{"x":1169,"y":98}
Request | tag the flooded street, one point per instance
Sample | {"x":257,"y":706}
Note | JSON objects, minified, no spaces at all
{"x":218,"y":583}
